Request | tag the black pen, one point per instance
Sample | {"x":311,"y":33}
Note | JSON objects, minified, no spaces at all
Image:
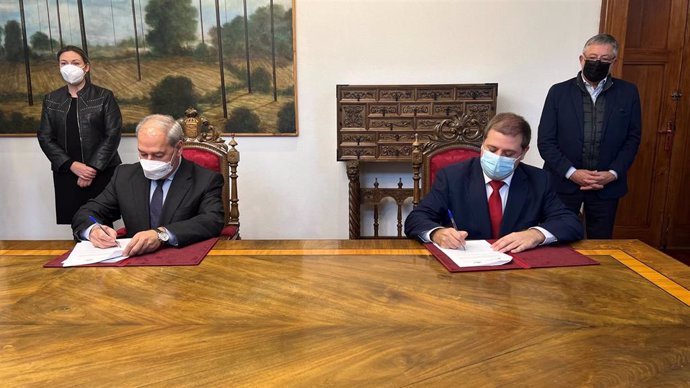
{"x":95,"y":221}
{"x":452,"y":221}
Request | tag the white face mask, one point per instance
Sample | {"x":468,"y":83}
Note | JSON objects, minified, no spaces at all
{"x":156,"y":169}
{"x":72,"y":74}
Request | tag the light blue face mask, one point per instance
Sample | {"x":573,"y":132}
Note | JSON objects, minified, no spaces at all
{"x":497,"y":167}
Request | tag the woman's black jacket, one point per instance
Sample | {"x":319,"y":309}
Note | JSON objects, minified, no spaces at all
{"x":100,"y":125}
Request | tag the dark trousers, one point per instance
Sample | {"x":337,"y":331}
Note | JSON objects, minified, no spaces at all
{"x":69,"y":197}
{"x":599,"y":214}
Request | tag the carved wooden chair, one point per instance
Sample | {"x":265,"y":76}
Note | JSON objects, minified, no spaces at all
{"x":374,"y":198}
{"x":452,"y":141}
{"x":204,"y":146}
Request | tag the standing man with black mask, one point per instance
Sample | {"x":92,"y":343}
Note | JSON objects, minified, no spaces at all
{"x":589,"y":134}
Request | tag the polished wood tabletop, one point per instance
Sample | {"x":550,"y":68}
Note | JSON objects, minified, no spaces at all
{"x":344,"y":313}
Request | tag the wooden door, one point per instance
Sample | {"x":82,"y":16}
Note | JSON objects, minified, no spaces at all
{"x":677,"y":223}
{"x":652,"y":36}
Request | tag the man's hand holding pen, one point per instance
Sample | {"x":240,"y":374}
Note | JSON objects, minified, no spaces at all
{"x":103,"y":236}
{"x":449,"y":238}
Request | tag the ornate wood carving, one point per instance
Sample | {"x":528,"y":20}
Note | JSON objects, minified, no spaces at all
{"x":396,"y":94}
{"x":359,"y":138}
{"x":462,"y":130}
{"x":435,"y":94}
{"x":354,"y":116}
{"x":354,"y":195}
{"x":358,"y":95}
{"x":197,"y":128}
{"x":396,"y":150}
{"x":373,"y":110}
{"x":383,"y":109}
{"x":379,"y":123}
{"x":201,"y":135}
{"x":395,"y":137}
{"x":233,"y":161}
{"x":374,"y":196}
{"x":391,"y":124}
{"x":416,"y":109}
{"x":360,"y":152}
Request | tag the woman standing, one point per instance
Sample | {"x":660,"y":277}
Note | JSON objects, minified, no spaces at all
{"x":79,"y":133}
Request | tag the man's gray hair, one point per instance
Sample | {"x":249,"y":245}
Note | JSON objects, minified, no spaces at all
{"x":603,"y":39}
{"x":166,"y":123}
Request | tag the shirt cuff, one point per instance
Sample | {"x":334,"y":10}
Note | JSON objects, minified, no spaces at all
{"x":570,"y":172}
{"x":86,"y":233}
{"x":426,"y":236}
{"x":549,"y":238}
{"x":614,"y":173}
{"x":173,"y":239}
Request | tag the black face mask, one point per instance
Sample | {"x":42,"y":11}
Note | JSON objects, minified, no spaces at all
{"x":595,"y":71}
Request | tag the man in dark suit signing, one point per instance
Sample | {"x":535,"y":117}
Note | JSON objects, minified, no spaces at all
{"x":589,"y":134}
{"x":163,"y":199}
{"x":494,"y":196}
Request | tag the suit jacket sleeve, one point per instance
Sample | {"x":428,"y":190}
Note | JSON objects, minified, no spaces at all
{"x":633,"y":133}
{"x":47,"y":140}
{"x":557,"y":219}
{"x":105,"y":207}
{"x":432,"y":210}
{"x":547,"y":139}
{"x":112,"y":126}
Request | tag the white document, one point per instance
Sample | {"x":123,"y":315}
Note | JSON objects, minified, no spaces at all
{"x":477,"y":253}
{"x":85,"y":253}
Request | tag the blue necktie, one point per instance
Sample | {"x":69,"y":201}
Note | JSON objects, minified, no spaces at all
{"x":156,"y":206}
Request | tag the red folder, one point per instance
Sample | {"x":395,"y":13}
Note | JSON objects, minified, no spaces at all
{"x":192,"y":254}
{"x":540,"y":257}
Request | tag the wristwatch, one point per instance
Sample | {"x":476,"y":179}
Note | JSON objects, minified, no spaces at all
{"x":163,"y":235}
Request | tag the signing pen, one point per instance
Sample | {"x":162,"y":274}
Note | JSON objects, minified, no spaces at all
{"x":452,"y":221}
{"x":95,"y":221}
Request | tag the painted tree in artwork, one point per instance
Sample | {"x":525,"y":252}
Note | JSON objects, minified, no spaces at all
{"x":286,"y":118}
{"x":260,"y":31}
{"x":2,"y":42}
{"x":14,"y":50}
{"x":173,"y":24}
{"x":42,"y":42}
{"x":172,"y":95}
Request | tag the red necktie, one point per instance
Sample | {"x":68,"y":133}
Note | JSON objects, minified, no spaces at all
{"x":495,"y":208}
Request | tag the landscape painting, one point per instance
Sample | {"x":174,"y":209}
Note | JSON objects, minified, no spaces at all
{"x":232,"y":60}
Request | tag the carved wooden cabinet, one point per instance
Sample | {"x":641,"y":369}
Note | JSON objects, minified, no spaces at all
{"x":378,"y":123}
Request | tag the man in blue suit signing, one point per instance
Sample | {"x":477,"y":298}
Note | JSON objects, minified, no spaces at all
{"x":494,"y":196}
{"x":589,"y":134}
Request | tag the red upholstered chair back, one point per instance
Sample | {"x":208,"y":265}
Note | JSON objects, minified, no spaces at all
{"x":204,"y":146}
{"x":443,"y":158}
{"x":203,"y":158}
{"x":453,"y":141}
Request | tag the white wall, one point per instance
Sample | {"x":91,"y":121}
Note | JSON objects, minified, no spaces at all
{"x":294,"y":188}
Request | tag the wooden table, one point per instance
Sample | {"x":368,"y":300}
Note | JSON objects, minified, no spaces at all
{"x":343,"y":313}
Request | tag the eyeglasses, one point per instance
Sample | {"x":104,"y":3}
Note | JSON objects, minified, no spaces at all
{"x":604,"y":59}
